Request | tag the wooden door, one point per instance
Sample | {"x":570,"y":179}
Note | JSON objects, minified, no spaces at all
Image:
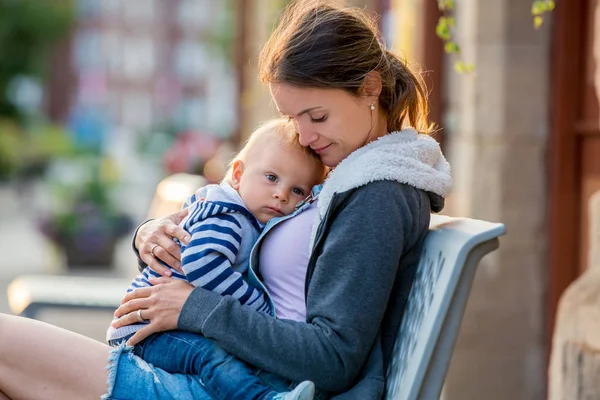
{"x":587,"y":130}
{"x":574,"y":146}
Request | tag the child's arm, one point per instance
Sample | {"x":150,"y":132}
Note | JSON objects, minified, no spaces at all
{"x":192,"y":199}
{"x":207,"y":260}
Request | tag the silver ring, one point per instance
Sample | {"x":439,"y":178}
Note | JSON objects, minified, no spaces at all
{"x":152,"y":250}
{"x":139,"y":316}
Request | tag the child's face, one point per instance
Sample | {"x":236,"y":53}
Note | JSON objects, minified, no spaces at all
{"x":273,"y":180}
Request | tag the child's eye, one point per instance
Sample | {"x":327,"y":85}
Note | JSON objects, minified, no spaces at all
{"x":298,"y":191}
{"x":319,"y":120}
{"x":271,"y":177}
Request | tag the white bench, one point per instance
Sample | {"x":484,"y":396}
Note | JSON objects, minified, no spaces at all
{"x":451,"y":253}
{"x":30,"y":294}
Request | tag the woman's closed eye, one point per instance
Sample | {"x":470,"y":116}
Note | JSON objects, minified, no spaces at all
{"x":319,"y":120}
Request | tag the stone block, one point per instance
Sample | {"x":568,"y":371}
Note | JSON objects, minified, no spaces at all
{"x":499,"y":352}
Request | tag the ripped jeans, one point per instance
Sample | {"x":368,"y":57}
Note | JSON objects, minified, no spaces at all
{"x":182,"y":365}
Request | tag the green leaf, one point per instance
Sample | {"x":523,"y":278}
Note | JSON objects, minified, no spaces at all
{"x":537,"y":22}
{"x":459,"y":67}
{"x":538,"y":7}
{"x":551,"y":4}
{"x":442,"y":29}
{"x":451,"y":47}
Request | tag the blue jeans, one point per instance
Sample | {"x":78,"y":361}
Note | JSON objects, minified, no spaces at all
{"x":223,"y":376}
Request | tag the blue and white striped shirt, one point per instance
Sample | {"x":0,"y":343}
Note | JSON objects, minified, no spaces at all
{"x":222,"y":234}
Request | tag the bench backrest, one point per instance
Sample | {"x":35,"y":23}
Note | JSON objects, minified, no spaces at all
{"x":436,"y":304}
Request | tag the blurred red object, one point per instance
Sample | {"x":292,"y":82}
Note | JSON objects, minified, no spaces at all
{"x":190,"y":152}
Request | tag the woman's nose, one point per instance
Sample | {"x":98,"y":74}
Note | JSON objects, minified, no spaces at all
{"x":306,"y":135}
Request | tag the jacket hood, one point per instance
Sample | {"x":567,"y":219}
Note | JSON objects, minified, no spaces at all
{"x":211,"y":200}
{"x":404,"y":156}
{"x":216,"y":193}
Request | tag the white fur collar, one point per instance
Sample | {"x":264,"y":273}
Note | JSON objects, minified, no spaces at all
{"x":404,"y":156}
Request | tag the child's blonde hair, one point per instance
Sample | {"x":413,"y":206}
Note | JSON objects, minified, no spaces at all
{"x":280,"y":129}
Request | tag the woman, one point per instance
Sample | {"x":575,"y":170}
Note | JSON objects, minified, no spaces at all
{"x":350,"y":100}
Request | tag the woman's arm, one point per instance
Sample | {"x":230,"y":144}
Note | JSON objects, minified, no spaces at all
{"x":346,"y":300}
{"x":347,"y":296}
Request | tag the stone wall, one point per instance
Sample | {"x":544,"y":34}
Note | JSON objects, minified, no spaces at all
{"x":496,"y":131}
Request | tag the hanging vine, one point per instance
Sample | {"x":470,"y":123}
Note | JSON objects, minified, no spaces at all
{"x":446,"y":26}
{"x":445,"y":30}
{"x":539,"y":8}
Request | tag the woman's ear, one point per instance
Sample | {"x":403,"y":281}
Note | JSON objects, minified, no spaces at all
{"x":372,"y":86}
{"x":236,"y":176}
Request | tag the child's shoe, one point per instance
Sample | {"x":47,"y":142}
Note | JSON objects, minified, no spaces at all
{"x":304,"y":391}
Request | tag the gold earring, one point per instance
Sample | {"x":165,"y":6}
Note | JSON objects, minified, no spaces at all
{"x":372,"y":107}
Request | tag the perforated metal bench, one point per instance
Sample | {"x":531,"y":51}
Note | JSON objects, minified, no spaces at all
{"x":451,"y":253}
{"x":436,"y":304}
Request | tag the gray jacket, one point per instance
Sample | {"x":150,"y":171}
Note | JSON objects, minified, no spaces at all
{"x":366,"y":248}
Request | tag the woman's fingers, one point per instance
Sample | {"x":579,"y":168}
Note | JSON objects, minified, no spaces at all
{"x":143,"y":333}
{"x":147,"y":241}
{"x":133,"y":301}
{"x":125,"y":312}
{"x":160,"y":304}
{"x":128,"y":318}
{"x":168,"y":251}
{"x":174,"y":230}
{"x":138,"y":293}
{"x":161,"y":247}
{"x":155,"y":242}
{"x":142,"y":232}
{"x":156,"y":266}
{"x":157,"y":281}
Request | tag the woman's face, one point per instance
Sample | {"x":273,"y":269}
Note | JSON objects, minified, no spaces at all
{"x":332,"y":122}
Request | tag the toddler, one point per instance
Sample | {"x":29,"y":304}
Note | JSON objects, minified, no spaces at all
{"x":267,"y":179}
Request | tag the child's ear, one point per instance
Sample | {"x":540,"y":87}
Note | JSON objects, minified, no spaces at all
{"x":236,"y":176}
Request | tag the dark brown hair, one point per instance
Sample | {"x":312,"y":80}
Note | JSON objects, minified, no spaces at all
{"x":322,"y":45}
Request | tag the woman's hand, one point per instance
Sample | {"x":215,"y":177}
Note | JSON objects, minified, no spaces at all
{"x":160,"y":305}
{"x":154,"y":240}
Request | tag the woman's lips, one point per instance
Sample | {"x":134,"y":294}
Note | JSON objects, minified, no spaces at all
{"x":321,"y":149}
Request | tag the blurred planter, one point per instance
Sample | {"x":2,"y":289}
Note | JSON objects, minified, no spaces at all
{"x":89,"y":227}
{"x":87,"y":236}
{"x":80,"y":256}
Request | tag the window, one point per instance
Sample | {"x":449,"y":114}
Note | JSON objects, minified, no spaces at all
{"x":138,"y":60}
{"x":190,"y":59}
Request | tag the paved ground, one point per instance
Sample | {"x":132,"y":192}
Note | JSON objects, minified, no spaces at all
{"x":24,"y":251}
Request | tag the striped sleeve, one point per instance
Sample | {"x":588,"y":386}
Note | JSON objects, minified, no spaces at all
{"x":207,"y":260}
{"x":190,"y":200}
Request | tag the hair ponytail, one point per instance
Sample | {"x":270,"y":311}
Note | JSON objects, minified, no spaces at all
{"x":404,"y":96}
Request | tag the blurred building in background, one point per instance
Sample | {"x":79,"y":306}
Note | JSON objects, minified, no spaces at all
{"x":150,"y":63}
